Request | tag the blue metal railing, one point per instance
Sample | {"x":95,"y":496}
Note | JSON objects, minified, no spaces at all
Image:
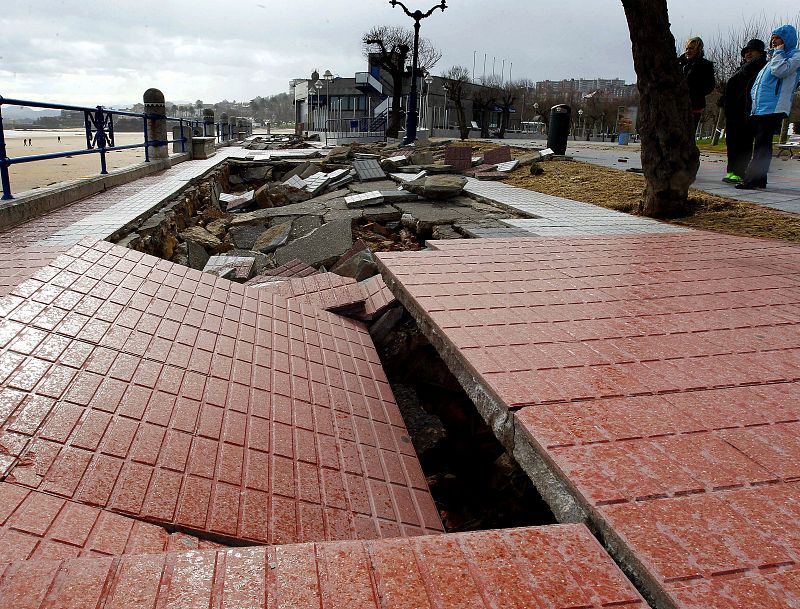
{"x":99,"y":126}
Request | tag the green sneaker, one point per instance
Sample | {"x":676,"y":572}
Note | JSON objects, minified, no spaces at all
{"x":731,"y":178}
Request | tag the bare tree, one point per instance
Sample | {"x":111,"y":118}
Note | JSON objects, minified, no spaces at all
{"x":457,"y":86}
{"x":391,"y":47}
{"x":670,"y":158}
{"x":508,"y":93}
{"x":484,"y":99}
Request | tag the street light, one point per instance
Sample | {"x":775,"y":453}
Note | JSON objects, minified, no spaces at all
{"x":428,"y":81}
{"x":328,"y":78}
{"x":318,"y":87}
{"x":411,"y":119}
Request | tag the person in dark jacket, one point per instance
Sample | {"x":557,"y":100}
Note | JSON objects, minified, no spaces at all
{"x":699,"y":73}
{"x":772,"y":94}
{"x":737,"y":104}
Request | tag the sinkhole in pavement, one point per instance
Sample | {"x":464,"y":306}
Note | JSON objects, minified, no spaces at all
{"x":476,"y":484}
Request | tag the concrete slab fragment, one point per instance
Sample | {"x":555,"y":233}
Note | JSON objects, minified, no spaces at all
{"x":373,"y":197}
{"x":368,"y":169}
{"x":507,"y":166}
{"x":316,"y":182}
{"x":236,"y":267}
{"x":459,"y":157}
{"x":322,"y":246}
{"x":296,"y":181}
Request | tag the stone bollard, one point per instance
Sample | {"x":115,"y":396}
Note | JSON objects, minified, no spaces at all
{"x":232,"y":132}
{"x":177,"y":147}
{"x":224,"y":136}
{"x":156,"y":126}
{"x":208,"y":123}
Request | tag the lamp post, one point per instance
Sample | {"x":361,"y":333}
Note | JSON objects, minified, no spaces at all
{"x":328,"y":78}
{"x":318,"y":87}
{"x":428,"y":81}
{"x":411,"y":119}
{"x":580,"y":120}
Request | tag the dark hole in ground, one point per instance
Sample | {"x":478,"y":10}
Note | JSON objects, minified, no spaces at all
{"x":475,"y":483}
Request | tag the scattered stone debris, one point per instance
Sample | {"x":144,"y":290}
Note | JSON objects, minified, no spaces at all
{"x":294,"y":199}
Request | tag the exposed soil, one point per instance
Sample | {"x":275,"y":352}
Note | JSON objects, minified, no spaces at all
{"x":475,"y":483}
{"x":622,"y":191}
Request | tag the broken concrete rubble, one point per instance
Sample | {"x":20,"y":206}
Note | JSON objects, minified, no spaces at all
{"x":292,"y":206}
{"x":438,"y":187}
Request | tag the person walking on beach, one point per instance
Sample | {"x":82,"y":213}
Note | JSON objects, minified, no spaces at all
{"x":699,"y":73}
{"x":737,"y":105}
{"x":772,"y":93}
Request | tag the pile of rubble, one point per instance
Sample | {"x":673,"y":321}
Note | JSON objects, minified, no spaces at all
{"x":322,"y":207}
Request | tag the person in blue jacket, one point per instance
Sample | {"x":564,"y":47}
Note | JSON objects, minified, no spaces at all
{"x":772,"y":94}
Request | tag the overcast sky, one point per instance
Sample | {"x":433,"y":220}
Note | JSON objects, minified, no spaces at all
{"x":92,"y":52}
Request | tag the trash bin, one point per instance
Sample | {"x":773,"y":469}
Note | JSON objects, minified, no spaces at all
{"x":559,"y":128}
{"x":624,"y":138}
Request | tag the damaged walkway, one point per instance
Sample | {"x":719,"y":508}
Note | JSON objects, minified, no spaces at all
{"x":649,"y":385}
{"x":645,"y":376}
{"x":151,"y":413}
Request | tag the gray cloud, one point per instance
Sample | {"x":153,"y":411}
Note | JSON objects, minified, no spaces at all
{"x":89,"y":52}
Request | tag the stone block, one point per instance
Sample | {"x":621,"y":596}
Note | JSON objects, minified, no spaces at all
{"x":459,"y":157}
{"x":497,"y":155}
{"x":271,"y":239}
{"x":203,"y":148}
{"x":201,"y":236}
{"x":363,"y":200}
{"x":323,"y":246}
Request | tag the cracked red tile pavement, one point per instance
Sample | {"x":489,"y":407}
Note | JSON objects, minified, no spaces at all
{"x":174,"y":397}
{"x":558,"y":567}
{"x":656,"y":378}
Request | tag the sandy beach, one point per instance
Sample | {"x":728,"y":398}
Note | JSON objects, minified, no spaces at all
{"x":38,"y":174}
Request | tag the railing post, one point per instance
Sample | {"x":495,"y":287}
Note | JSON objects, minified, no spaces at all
{"x":232,"y":131}
{"x":208,"y":122}
{"x":99,"y":122}
{"x":146,"y":141}
{"x":156,"y":110}
{"x":223,"y":128}
{"x":4,"y":159}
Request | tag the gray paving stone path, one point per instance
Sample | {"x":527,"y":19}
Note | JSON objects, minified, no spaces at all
{"x":783,"y":192}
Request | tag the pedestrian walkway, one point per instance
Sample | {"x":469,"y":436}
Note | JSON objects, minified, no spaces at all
{"x":783,"y":192}
{"x":139,"y":398}
{"x":26,"y":248}
{"x":645,"y":376}
{"x":648,"y":384}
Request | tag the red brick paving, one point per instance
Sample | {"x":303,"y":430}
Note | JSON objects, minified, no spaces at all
{"x":326,"y":291}
{"x":162,"y":393}
{"x":659,"y":377}
{"x":557,"y":567}
{"x":38,"y":526}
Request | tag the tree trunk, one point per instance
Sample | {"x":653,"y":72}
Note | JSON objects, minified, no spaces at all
{"x":485,"y":123}
{"x":670,"y":158}
{"x":463,"y":127}
{"x":504,"y":122}
{"x":395,"y":117}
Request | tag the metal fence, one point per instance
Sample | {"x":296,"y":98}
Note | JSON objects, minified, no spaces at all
{"x":99,"y":126}
{"x":358,"y":127}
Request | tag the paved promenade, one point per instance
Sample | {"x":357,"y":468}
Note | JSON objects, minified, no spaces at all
{"x":645,"y":376}
{"x":783,"y":191}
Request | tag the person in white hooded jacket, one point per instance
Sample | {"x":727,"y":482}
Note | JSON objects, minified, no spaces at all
{"x":772,"y":94}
